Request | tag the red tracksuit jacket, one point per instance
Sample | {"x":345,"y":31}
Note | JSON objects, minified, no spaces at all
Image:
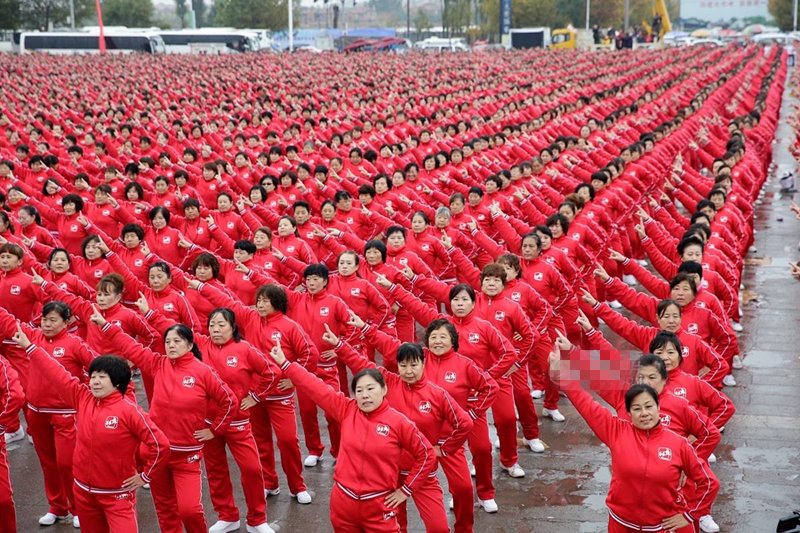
{"x":702,"y":396}
{"x":471,"y":387}
{"x":19,"y":295}
{"x":185,"y":390}
{"x":435,"y":413}
{"x":114,"y":434}
{"x":368,"y":464}
{"x":647,"y":467}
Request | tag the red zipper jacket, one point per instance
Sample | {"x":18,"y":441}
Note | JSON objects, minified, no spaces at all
{"x":185,"y":390}
{"x":702,"y":396}
{"x":471,"y":387}
{"x":19,"y":295}
{"x":368,"y":464}
{"x":114,"y":434}
{"x":647,"y":467}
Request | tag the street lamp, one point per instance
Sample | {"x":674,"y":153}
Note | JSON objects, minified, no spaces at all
{"x":291,"y":27}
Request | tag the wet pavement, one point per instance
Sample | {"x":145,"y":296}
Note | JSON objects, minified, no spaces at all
{"x":565,"y":487}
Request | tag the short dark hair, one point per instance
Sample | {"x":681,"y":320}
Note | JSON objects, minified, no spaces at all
{"x":132,"y":228}
{"x":411,"y":352}
{"x":230,"y":318}
{"x":245,"y":245}
{"x":63,"y":310}
{"x":276,"y":296}
{"x":691,"y":267}
{"x":462,"y":287}
{"x":374,"y":373}
{"x":654,"y":360}
{"x":635,"y":391}
{"x":494,"y":270}
{"x":74,"y":199}
{"x":443,"y":323}
{"x":159,"y":209}
{"x":663,"y":338}
{"x":185,"y":332}
{"x":207,"y":260}
{"x":116,"y":368}
{"x":681,"y":277}
{"x":377,"y":245}
{"x":317,"y":269}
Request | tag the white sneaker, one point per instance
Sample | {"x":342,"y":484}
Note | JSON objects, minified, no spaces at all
{"x":450,"y":504}
{"x":30,"y":439}
{"x":737,"y":327}
{"x":76,"y":522}
{"x":472,"y":470}
{"x":223,"y":527}
{"x":311,"y":461}
{"x":14,"y":437}
{"x":272,"y":492}
{"x":489,"y":506}
{"x":712,"y":458}
{"x":515,"y":471}
{"x":708,"y":525}
{"x":49,"y":519}
{"x":263,"y":528}
{"x":555,"y":414}
{"x":615,"y":304}
{"x":496,"y":443}
{"x":728,"y":381}
{"x":737,"y":362}
{"x":302,"y":497}
{"x":146,"y":486}
{"x":629,"y":279}
{"x":537,"y":394}
{"x":535,"y":445}
{"x":643,"y":262}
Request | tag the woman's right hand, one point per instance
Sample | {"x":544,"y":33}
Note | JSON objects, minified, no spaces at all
{"x":587,"y":297}
{"x":329,"y":336}
{"x":354,"y":321}
{"x":277,"y":353}
{"x":20,"y":338}
{"x":97,"y":317}
{"x":37,"y":279}
{"x":142,"y":304}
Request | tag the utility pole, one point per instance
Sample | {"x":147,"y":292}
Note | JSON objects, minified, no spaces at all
{"x":408,"y":19}
{"x":291,"y":27}
{"x":627,"y":14}
{"x":72,"y":14}
{"x":794,"y":15}
{"x":588,"y":12}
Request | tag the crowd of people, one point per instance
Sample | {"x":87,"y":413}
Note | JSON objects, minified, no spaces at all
{"x":454,"y":232}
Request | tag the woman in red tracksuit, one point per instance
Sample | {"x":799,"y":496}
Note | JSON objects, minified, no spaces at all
{"x":71,"y":224}
{"x":274,"y":410}
{"x":241,"y":367}
{"x":185,"y":391}
{"x":696,"y":318}
{"x":705,"y":398}
{"x":430,"y":249}
{"x":365,"y":495}
{"x":697,"y":355}
{"x":114,"y":435}
{"x":481,"y":342}
{"x":438,"y":417}
{"x":363,"y":298}
{"x":12,"y":399}
{"x":51,"y":420}
{"x":90,"y":266}
{"x":58,"y":272}
{"x":648,"y":461}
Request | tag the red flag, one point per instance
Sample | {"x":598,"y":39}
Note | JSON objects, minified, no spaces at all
{"x":102,"y":37}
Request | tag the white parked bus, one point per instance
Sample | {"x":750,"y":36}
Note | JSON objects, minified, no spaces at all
{"x":88,"y":42}
{"x":440,"y":44}
{"x":209,"y":41}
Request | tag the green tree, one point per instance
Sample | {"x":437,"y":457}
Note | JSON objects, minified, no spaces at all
{"x":456,"y":16}
{"x":607,"y":13}
{"x":421,"y":22}
{"x":390,"y":12}
{"x":182,"y":11}
{"x":9,"y":14}
{"x":46,"y":14}
{"x":490,"y":19}
{"x":526,"y":13}
{"x":782,"y":11}
{"x":573,"y":11}
{"x":132,"y":13}
{"x":270,"y":14}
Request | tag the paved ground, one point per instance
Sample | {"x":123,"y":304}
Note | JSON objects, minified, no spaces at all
{"x":564,"y":490}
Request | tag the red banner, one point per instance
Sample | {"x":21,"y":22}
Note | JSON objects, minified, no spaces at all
{"x":102,"y":37}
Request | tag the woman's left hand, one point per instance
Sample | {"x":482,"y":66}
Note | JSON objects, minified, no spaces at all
{"x":203,"y":435}
{"x":395,"y":499}
{"x":673,"y":523}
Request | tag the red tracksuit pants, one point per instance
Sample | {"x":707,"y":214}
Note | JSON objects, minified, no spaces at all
{"x":690,"y":492}
{"x":349,"y":515}
{"x":505,"y":422}
{"x":8,"y":517}
{"x":54,"y":441}
{"x":522,"y":399}
{"x":428,"y":499}
{"x":22,"y":365}
{"x":616,"y":527}
{"x":481,"y":448}
{"x":278,"y":416}
{"x":308,"y":415}
{"x":239,"y":439}
{"x":539,"y":370}
{"x":106,"y":513}
{"x":177,"y":493}
{"x":459,"y":484}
